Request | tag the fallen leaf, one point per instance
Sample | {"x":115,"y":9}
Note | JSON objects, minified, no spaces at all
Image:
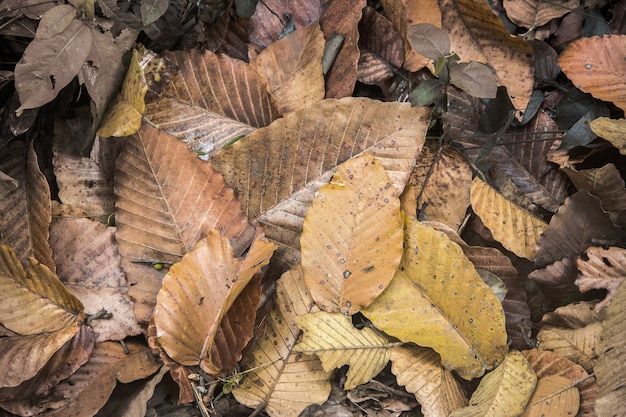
{"x":475,"y":78}
{"x":554,"y":396}
{"x":601,"y":269}
{"x":266,"y":29}
{"x":577,"y":345}
{"x":557,"y":280}
{"x":573,"y":315}
{"x":333,"y":338}
{"x":444,"y":308}
{"x":55,"y":21}
{"x":596,"y":65}
{"x":534,"y":13}
{"x":420,"y":372}
{"x":152,"y":10}
{"x":352,"y":237}
{"x":612,"y":130}
{"x":605,"y":182}
{"x":378,"y":35}
{"x":504,"y":392}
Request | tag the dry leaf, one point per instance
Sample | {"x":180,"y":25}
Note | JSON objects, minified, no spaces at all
{"x":596,"y":65}
{"x":197,"y":293}
{"x":352,"y":237}
{"x":577,"y":345}
{"x":557,"y":280}
{"x":333,"y":338}
{"x":437,"y":299}
{"x":377,"y":35}
{"x":283,"y":381}
{"x":504,"y":392}
{"x":612,"y":130}
{"x":605,"y":182}
{"x":554,"y":396}
{"x":534,"y":13}
{"x":419,"y":370}
{"x":266,"y":29}
{"x":573,"y":315}
{"x":516,"y":229}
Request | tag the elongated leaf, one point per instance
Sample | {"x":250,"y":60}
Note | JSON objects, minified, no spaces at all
{"x":333,"y":338}
{"x":275,"y":177}
{"x":167,"y":199}
{"x":503,"y":392}
{"x":283,"y":381}
{"x":516,"y":229}
{"x":50,"y":64}
{"x":419,"y":370}
{"x":436,"y":299}
{"x":352,"y":237}
{"x":35,"y":300}
{"x":196,"y":294}
{"x":554,"y":396}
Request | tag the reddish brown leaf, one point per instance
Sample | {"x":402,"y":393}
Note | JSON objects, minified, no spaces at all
{"x":378,"y":35}
{"x":557,"y":279}
{"x":274,"y":18}
{"x":533,"y":13}
{"x":605,"y":182}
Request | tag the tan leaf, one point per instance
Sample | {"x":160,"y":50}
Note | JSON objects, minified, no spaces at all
{"x":23,"y":356}
{"x":196,"y":294}
{"x":333,"y":338}
{"x":26,"y":212}
{"x":437,"y":299}
{"x":516,"y":229}
{"x":573,"y":315}
{"x":548,"y":363}
{"x":126,"y":111}
{"x":88,"y":261}
{"x":441,"y":178}
{"x":39,"y":77}
{"x":612,"y":130}
{"x":476,"y":34}
{"x":35,"y":300}
{"x":602,"y":269}
{"x":577,"y":345}
{"x":554,"y":396}
{"x":533,"y":13}
{"x":281,"y":174}
{"x":55,"y":21}
{"x":284,"y":381}
{"x":611,"y":366}
{"x":596,"y":66}
{"x":160,"y":213}
{"x":419,"y":370}
{"x":503,"y":392}
{"x":265,"y":29}
{"x":352,"y":237}
{"x":292,"y":67}
{"x":605,"y":183}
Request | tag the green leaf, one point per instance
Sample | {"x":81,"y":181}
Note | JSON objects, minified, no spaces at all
{"x":427,"y":92}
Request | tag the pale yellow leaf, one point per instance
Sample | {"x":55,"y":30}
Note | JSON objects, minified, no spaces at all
{"x":554,"y":396}
{"x":613,"y":130}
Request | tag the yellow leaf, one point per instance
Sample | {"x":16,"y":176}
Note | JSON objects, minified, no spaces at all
{"x":333,"y":338}
{"x":125,"y":113}
{"x":419,"y":370}
{"x":437,"y":299}
{"x":554,"y":396}
{"x":352,"y":238}
{"x":503,"y":392}
{"x":286,"y":381}
{"x":612,"y":130}
{"x":515,"y":228}
{"x":197,"y":293}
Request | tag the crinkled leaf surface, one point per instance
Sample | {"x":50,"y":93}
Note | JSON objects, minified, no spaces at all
{"x":420,"y":372}
{"x":283,"y":381}
{"x":577,"y":345}
{"x":437,"y":299}
{"x":596,"y":65}
{"x":611,"y":130}
{"x":196,"y":294}
{"x":503,"y":392}
{"x":602,"y":269}
{"x":352,"y":237}
{"x":554,"y":396}
{"x":276,"y":176}
{"x":333,"y":338}
{"x":167,"y":199}
{"x":605,"y":182}
{"x":533,"y":13}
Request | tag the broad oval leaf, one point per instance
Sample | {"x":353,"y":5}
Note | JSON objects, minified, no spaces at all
{"x":333,"y":338}
{"x":474,"y":78}
{"x":516,"y":229}
{"x":197,"y":293}
{"x":577,"y":345}
{"x":503,"y":392}
{"x":55,"y":21}
{"x":554,"y":396}
{"x":352,"y":237}
{"x":437,"y":299}
{"x":429,"y":40}
{"x":533,"y":13}
{"x":152,"y":10}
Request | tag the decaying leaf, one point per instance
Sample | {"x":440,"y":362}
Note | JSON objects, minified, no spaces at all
{"x":437,"y":299}
{"x":283,"y":381}
{"x":578,"y":345}
{"x":333,"y":338}
{"x":605,"y":182}
{"x":602,"y":269}
{"x":534,"y":13}
{"x":554,"y":396}
{"x":612,"y":130}
{"x":516,"y":229}
{"x":197,"y":293}
{"x":352,"y":237}
{"x":419,"y":370}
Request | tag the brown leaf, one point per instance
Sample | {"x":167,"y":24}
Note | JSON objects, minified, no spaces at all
{"x":352,"y":237}
{"x":533,"y":13}
{"x":605,"y":183}
{"x":577,"y":345}
{"x":55,"y":21}
{"x":596,"y":65}
{"x":602,"y":269}
{"x":157,"y":172}
{"x":196,"y":294}
{"x":611,"y":369}
{"x":579,"y":222}
{"x":274,"y":18}
{"x":292,"y":67}
{"x":573,"y":315}
{"x":554,"y":396}
{"x":343,"y":18}
{"x":281,"y":175}
{"x":88,"y":261}
{"x":557,"y":280}
{"x":48,"y":65}
{"x":377,"y":34}
{"x":26,"y":212}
